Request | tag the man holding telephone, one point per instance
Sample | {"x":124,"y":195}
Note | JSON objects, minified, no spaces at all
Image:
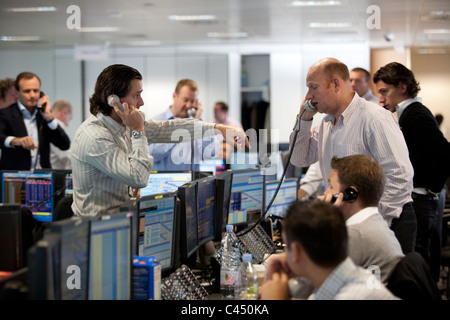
{"x":180,"y":156}
{"x":28,"y":127}
{"x":353,"y":125}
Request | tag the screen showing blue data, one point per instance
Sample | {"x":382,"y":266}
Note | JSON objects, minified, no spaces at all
{"x":110,"y":258}
{"x":287,"y":194}
{"x":160,"y":182}
{"x":247,"y":192}
{"x":206,"y":189}
{"x":31,"y":190}
{"x":156,"y":229}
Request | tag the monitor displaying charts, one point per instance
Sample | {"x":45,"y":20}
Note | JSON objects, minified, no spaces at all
{"x":165,"y":181}
{"x":287,"y":194}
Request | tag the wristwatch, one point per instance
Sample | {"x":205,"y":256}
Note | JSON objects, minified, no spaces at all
{"x":136,"y":134}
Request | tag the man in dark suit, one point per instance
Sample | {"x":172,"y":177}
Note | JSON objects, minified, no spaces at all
{"x":429,"y":153}
{"x":28,"y":127}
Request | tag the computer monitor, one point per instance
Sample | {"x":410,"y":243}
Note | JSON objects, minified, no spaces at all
{"x":223,"y":194}
{"x":247,"y":196}
{"x":165,"y":181}
{"x":38,"y":191}
{"x":206,"y":194}
{"x":287,"y":194}
{"x":157,"y":225}
{"x":110,"y":259}
{"x":214,"y":166}
{"x":11,"y":248}
{"x":243,"y":160}
{"x":69,"y":184}
{"x":188,"y":242}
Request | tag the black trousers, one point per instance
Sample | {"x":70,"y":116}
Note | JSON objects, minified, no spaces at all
{"x":405,"y":228}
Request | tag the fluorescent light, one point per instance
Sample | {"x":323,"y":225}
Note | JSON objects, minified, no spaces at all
{"x":98,"y":29}
{"x":227,"y":34}
{"x":201,"y":17}
{"x":314,"y":3}
{"x":330,"y":24}
{"x":145,"y":43}
{"x":436,"y":31}
{"x":20,"y":38}
{"x":32,"y":9}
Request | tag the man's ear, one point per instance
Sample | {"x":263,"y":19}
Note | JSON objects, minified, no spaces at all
{"x":296,"y":251}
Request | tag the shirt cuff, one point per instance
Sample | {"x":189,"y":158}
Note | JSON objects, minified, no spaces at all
{"x":52,"y":125}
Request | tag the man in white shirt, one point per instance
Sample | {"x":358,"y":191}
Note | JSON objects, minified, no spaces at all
{"x":353,"y":125}
{"x":110,"y":158}
{"x":63,"y":111}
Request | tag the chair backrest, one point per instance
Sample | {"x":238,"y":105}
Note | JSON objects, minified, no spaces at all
{"x":411,"y":279}
{"x":63,"y":209}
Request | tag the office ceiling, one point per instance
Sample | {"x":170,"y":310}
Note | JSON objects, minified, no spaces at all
{"x":392,"y":23}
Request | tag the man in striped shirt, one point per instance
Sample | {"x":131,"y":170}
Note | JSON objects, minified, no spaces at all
{"x":353,"y":125}
{"x":110,"y":154}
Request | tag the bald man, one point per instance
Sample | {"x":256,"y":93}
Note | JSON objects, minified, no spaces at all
{"x":352,"y":125}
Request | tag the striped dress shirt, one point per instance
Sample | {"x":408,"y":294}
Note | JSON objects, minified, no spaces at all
{"x":350,"y":282}
{"x":363,"y":128}
{"x":107,"y":162}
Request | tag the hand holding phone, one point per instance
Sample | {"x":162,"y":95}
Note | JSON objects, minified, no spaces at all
{"x":308,"y":106}
{"x":115,"y":98}
{"x":42,"y":106}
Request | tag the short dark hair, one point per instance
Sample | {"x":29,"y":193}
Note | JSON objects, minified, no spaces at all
{"x":395,"y":73}
{"x":362,"y":172}
{"x":25,"y":75}
{"x":222,"y":105}
{"x":5,"y":85}
{"x":114,"y":79}
{"x":319,"y":227}
{"x":358,"y":69}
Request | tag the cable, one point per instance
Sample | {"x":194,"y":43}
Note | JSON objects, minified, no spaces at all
{"x":56,"y":193}
{"x":291,"y":148}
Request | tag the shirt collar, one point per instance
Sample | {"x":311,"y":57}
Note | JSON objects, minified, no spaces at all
{"x":169,"y":114}
{"x":405,"y":103}
{"x":111,"y":124}
{"x":348,"y":110}
{"x":26,"y":114}
{"x":361,"y":215}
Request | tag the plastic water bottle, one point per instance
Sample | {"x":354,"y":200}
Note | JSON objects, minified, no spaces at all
{"x":247,"y":282}
{"x":230,"y":262}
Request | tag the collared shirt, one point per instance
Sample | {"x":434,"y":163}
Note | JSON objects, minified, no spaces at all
{"x":369,"y":96}
{"x":107,"y":163}
{"x":361,"y":215}
{"x":32,"y":130}
{"x":178,"y":156}
{"x":363,"y":128}
{"x":350,"y":282}
{"x":404,"y":104}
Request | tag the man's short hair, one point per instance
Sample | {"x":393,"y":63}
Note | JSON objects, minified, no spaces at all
{"x":5,"y":85}
{"x":395,"y":73}
{"x":25,"y":75}
{"x":114,"y":79}
{"x":336,"y":68}
{"x":362,"y":172}
{"x":186,"y":82}
{"x":222,"y":105}
{"x":61,"y":105}
{"x":319,"y":227}
{"x":366,"y":73}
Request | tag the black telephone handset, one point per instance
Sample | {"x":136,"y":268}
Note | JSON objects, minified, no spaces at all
{"x":41,"y":107}
{"x":350,"y":195}
{"x":308,"y":106}
{"x":115,"y":98}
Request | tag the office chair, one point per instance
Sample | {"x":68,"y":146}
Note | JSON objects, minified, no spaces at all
{"x":411,"y":279}
{"x":63,"y":209}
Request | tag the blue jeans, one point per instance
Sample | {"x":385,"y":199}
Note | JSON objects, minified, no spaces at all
{"x":405,"y":228}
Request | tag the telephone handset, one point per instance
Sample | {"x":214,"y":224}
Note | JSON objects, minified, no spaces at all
{"x":308,"y":106}
{"x":350,"y":195}
{"x":191,"y":112}
{"x":41,"y":107}
{"x":115,"y":98}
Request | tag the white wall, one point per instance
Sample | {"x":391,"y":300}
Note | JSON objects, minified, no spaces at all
{"x":216,"y":68}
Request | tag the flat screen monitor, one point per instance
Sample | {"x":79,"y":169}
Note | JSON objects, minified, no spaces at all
{"x":247,"y":196}
{"x":287,"y":194}
{"x":187,"y":194}
{"x":206,"y":194}
{"x":110,"y":258}
{"x":157,"y":228}
{"x":37,"y":191}
{"x":215,"y":166}
{"x":223,"y":194}
{"x":69,"y":184}
{"x":165,"y":181}
{"x":243,"y":160}
{"x":11,"y":248}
